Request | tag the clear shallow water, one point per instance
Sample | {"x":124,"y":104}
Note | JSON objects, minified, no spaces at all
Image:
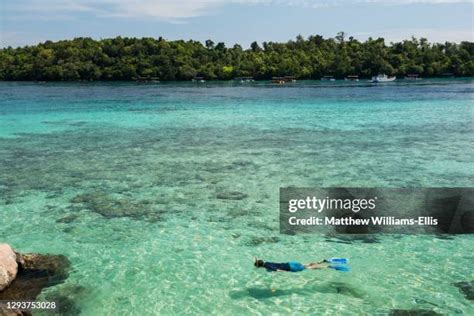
{"x":124,"y":180}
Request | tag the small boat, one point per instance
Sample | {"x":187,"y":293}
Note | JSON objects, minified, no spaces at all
{"x":328,"y":78}
{"x":278,"y":80}
{"x":198,"y":79}
{"x":289,"y":78}
{"x":147,"y":79}
{"x":244,"y":79}
{"x":352,"y":78}
{"x":383,"y":78}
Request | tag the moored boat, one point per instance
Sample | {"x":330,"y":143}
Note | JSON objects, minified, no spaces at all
{"x":278,"y":80}
{"x":147,"y":79}
{"x":328,"y":78}
{"x":383,"y":78}
{"x":198,"y":79}
{"x":244,"y":79}
{"x":352,"y":78}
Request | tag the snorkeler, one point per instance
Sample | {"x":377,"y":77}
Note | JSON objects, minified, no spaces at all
{"x":333,"y":263}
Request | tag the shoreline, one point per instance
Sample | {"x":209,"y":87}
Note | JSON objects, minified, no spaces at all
{"x":363,"y":80}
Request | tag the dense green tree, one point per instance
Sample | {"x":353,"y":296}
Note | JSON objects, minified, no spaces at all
{"x":124,"y":58}
{"x":254,"y":47}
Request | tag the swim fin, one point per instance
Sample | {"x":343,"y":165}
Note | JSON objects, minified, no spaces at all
{"x":338,"y":260}
{"x":340,"y":268}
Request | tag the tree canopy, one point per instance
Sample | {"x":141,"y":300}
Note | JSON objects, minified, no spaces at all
{"x":123,"y":58}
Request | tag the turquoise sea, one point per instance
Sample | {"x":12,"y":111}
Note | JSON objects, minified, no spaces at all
{"x":130,"y":182}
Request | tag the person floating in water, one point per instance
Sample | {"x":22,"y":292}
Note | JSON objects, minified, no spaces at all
{"x":292,"y":266}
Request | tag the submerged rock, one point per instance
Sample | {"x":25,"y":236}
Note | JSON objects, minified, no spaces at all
{"x":255,"y":240}
{"x":231,"y":195}
{"x":67,"y":297}
{"x":8,"y":266}
{"x":67,"y":219}
{"x":110,"y":207}
{"x":413,"y":312}
{"x":349,"y":239}
{"x":85,"y":198}
{"x":467,"y":288}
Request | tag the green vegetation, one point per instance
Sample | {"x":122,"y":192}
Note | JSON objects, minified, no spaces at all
{"x":128,"y":58}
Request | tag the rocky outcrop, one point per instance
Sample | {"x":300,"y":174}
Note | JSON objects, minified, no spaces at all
{"x":231,"y":195}
{"x":36,"y":272}
{"x":8,"y":312}
{"x":33,"y":273}
{"x":8,"y":266}
{"x":111,"y":207}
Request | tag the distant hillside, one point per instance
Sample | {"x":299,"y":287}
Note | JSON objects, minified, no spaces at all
{"x":128,"y":58}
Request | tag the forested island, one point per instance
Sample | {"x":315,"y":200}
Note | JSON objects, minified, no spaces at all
{"x":312,"y":58}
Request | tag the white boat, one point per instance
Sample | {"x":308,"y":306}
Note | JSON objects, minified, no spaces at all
{"x":352,"y":78}
{"x":244,"y":79}
{"x":328,"y":78}
{"x":383,"y":78}
{"x":198,"y":79}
